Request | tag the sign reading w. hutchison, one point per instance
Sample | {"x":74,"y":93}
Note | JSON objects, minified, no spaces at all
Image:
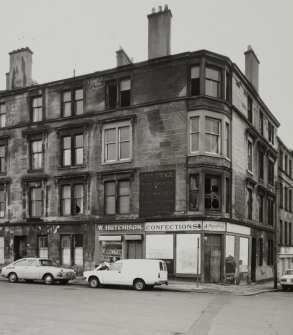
{"x":157,"y":193}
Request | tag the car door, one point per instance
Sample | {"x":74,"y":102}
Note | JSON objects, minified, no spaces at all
{"x":32,"y":269}
{"x":18,"y":267}
{"x":113,"y":276}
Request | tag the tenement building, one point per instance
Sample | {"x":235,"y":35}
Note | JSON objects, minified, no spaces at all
{"x":171,"y":158}
{"x":285,"y":191}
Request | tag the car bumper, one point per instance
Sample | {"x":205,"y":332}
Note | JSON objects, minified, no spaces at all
{"x":161,"y":282}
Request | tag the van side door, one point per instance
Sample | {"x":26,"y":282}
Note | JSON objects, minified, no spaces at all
{"x":113,"y":276}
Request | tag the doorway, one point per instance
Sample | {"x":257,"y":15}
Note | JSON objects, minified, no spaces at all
{"x":20,"y":247}
{"x":253,"y":260}
{"x":212,"y":259}
{"x":134,"y":249}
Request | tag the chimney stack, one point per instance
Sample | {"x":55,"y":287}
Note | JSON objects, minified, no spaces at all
{"x":251,"y":67}
{"x":159,"y":39}
{"x":122,"y":58}
{"x":20,"y":69}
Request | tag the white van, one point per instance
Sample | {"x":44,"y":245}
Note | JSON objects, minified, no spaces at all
{"x":139,"y":273}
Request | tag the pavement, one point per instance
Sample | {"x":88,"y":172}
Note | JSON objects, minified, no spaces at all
{"x":191,"y":286}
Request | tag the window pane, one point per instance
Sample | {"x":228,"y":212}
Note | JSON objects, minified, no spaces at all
{"x":124,"y":150}
{"x":37,"y":146}
{"x":79,"y":156}
{"x":125,"y":85}
{"x":67,"y":96}
{"x":124,"y":204}
{"x":124,"y":188}
{"x":78,"y":191}
{"x":2,"y":120}
{"x":66,"y":192}
{"x":212,"y":74}
{"x":110,"y":205}
{"x":110,"y":152}
{"x":79,"y":94}
{"x":67,"y":109}
{"x":2,"y":151}
{"x":110,"y":188}
{"x":78,"y":141}
{"x":67,"y":142}
{"x":124,"y":133}
{"x":66,"y":157}
{"x":66,"y":207}
{"x":194,"y":124}
{"x":195,"y":72}
{"x":36,"y":193}
{"x":79,"y":107}
{"x":110,"y":135}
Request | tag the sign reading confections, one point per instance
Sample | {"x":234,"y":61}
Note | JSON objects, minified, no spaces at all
{"x":173,"y":226}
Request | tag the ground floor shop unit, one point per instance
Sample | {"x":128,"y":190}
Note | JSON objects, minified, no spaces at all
{"x":285,"y":260}
{"x":213,"y":251}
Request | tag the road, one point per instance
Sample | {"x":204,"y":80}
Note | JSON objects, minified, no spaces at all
{"x":77,"y":309}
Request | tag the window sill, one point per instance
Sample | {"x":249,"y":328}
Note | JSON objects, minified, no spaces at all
{"x":35,"y":171}
{"x":69,"y":167}
{"x":118,"y":162}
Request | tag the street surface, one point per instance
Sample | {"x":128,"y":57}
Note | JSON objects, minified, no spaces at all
{"x":79,"y":310}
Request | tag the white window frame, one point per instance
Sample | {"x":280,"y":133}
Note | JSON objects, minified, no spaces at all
{"x":117,"y":126}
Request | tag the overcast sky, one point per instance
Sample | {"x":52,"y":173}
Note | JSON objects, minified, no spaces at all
{"x":84,"y":34}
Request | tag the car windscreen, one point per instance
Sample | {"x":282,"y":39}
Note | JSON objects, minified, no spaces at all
{"x":46,"y":262}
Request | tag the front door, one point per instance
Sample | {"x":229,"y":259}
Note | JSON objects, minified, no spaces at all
{"x":253,"y":260}
{"x":212,"y":259}
{"x":19,"y":247}
{"x":134,"y":249}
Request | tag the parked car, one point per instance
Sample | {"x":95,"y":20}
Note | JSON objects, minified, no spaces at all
{"x":287,"y":279}
{"x":31,"y":269}
{"x":138,"y":273}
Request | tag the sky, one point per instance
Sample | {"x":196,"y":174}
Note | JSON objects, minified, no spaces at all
{"x":85,"y":34}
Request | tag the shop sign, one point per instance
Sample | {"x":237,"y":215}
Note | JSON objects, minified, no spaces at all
{"x":173,"y":226}
{"x":120,"y":227}
{"x":214,"y":226}
{"x":237,"y":229}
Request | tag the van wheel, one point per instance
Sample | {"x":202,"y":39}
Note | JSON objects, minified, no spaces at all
{"x":139,"y":285}
{"x":94,"y":282}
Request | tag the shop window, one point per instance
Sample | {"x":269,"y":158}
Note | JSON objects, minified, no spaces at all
{"x":117,"y":197}
{"x":249,"y":109}
{"x":72,"y":150}
{"x":2,"y":260}
{"x":111,"y":251}
{"x":230,"y":258}
{"x":43,"y":246}
{"x":2,"y":115}
{"x":195,"y":80}
{"x":36,"y":154}
{"x":37,"y":109}
{"x":260,"y":251}
{"x":193,"y":192}
{"x":36,"y":201}
{"x":243,"y":255}
{"x":249,"y":203}
{"x":72,"y":249}
{"x":212,"y":135}
{"x":212,"y":192}
{"x":118,"y":93}
{"x":72,"y":199}
{"x":194,"y":134}
{"x":186,"y":253}
{"x":213,"y":82}
{"x":270,"y":260}
{"x":117,"y":139}
{"x":72,"y":102}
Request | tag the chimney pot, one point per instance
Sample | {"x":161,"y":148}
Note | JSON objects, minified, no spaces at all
{"x":166,"y":7}
{"x":153,"y":10}
{"x":160,"y":8}
{"x":252,"y":67}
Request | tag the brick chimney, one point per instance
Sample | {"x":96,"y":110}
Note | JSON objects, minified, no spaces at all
{"x":122,"y":58}
{"x":20,"y":69}
{"x":159,"y":39}
{"x":251,"y":67}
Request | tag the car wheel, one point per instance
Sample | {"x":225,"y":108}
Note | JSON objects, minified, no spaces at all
{"x":139,"y":285}
{"x":12,"y":277}
{"x":94,"y":282}
{"x":285,"y":288}
{"x":49,"y":279}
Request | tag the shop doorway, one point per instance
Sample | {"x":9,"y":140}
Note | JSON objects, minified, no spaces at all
{"x":212,"y":259}
{"x":134,"y":249}
{"x":19,"y":247}
{"x":253,"y":260}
